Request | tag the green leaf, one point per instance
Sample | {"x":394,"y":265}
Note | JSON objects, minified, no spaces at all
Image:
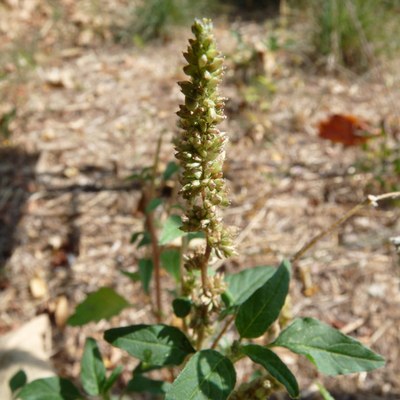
{"x":195,"y":235}
{"x":243,"y":284}
{"x":171,"y":168}
{"x":331,"y":351}
{"x":144,"y":174}
{"x":170,"y":230}
{"x":146,"y":239}
{"x":170,"y":260}
{"x":154,"y":345}
{"x":135,"y":236}
{"x":17,"y":381}
{"x":102,"y":304}
{"x":145,"y":273}
{"x":178,"y":207}
{"x":133,"y":276}
{"x":93,"y":371}
{"x":274,"y":365}
{"x":53,"y":388}
{"x":154,"y":203}
{"x":142,"y":368}
{"x":181,"y":306}
{"x":109,"y":383}
{"x":140,"y":384}
{"x":262,"y":308}
{"x":207,"y":375}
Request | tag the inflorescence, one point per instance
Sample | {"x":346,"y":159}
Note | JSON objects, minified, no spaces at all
{"x":200,"y":146}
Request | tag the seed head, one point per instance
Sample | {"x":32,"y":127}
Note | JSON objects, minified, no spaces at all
{"x":200,"y":147}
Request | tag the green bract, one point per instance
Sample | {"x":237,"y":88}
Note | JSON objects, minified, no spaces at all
{"x":200,"y":146}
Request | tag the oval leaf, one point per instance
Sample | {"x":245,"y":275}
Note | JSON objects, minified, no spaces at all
{"x":17,"y":381}
{"x":146,"y":239}
{"x":262,"y":308}
{"x":171,"y":229}
{"x":154,"y":345}
{"x":102,"y":304}
{"x":182,"y":306}
{"x":53,"y":388}
{"x":274,"y":365}
{"x":145,"y":273}
{"x":93,"y":371}
{"x":243,"y":284}
{"x":153,"y":204}
{"x":135,"y":236}
{"x":171,"y":168}
{"x":133,"y":276}
{"x":331,"y":351}
{"x":207,"y":375}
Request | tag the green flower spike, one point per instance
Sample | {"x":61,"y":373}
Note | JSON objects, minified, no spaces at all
{"x":200,"y":146}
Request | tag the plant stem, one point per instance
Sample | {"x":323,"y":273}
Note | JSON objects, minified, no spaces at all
{"x":153,"y":232}
{"x":184,"y":247}
{"x":183,"y":250}
{"x":370,"y":200}
{"x":203,"y":271}
{"x":155,"y":167}
{"x":205,"y":286}
{"x":223,"y":330}
{"x":200,"y":337}
{"x":156,"y":263}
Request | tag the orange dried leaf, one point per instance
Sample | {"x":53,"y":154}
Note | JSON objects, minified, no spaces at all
{"x":345,"y":129}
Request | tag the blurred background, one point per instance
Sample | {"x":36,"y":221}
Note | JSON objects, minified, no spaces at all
{"x":312,"y":88}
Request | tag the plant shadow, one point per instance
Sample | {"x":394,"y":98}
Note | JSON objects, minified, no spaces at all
{"x":17,"y":177}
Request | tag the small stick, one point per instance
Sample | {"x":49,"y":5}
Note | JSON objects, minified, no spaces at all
{"x":370,"y":200}
{"x":223,"y":330}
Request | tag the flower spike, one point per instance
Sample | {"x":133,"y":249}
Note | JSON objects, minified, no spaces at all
{"x":200,"y":147}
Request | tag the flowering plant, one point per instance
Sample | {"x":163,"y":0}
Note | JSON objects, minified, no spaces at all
{"x":206,"y":304}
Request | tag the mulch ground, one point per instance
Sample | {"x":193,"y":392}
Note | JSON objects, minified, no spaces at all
{"x":91,"y":116}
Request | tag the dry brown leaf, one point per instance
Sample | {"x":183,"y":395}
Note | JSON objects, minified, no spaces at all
{"x":59,"y":258}
{"x":346,"y":129}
